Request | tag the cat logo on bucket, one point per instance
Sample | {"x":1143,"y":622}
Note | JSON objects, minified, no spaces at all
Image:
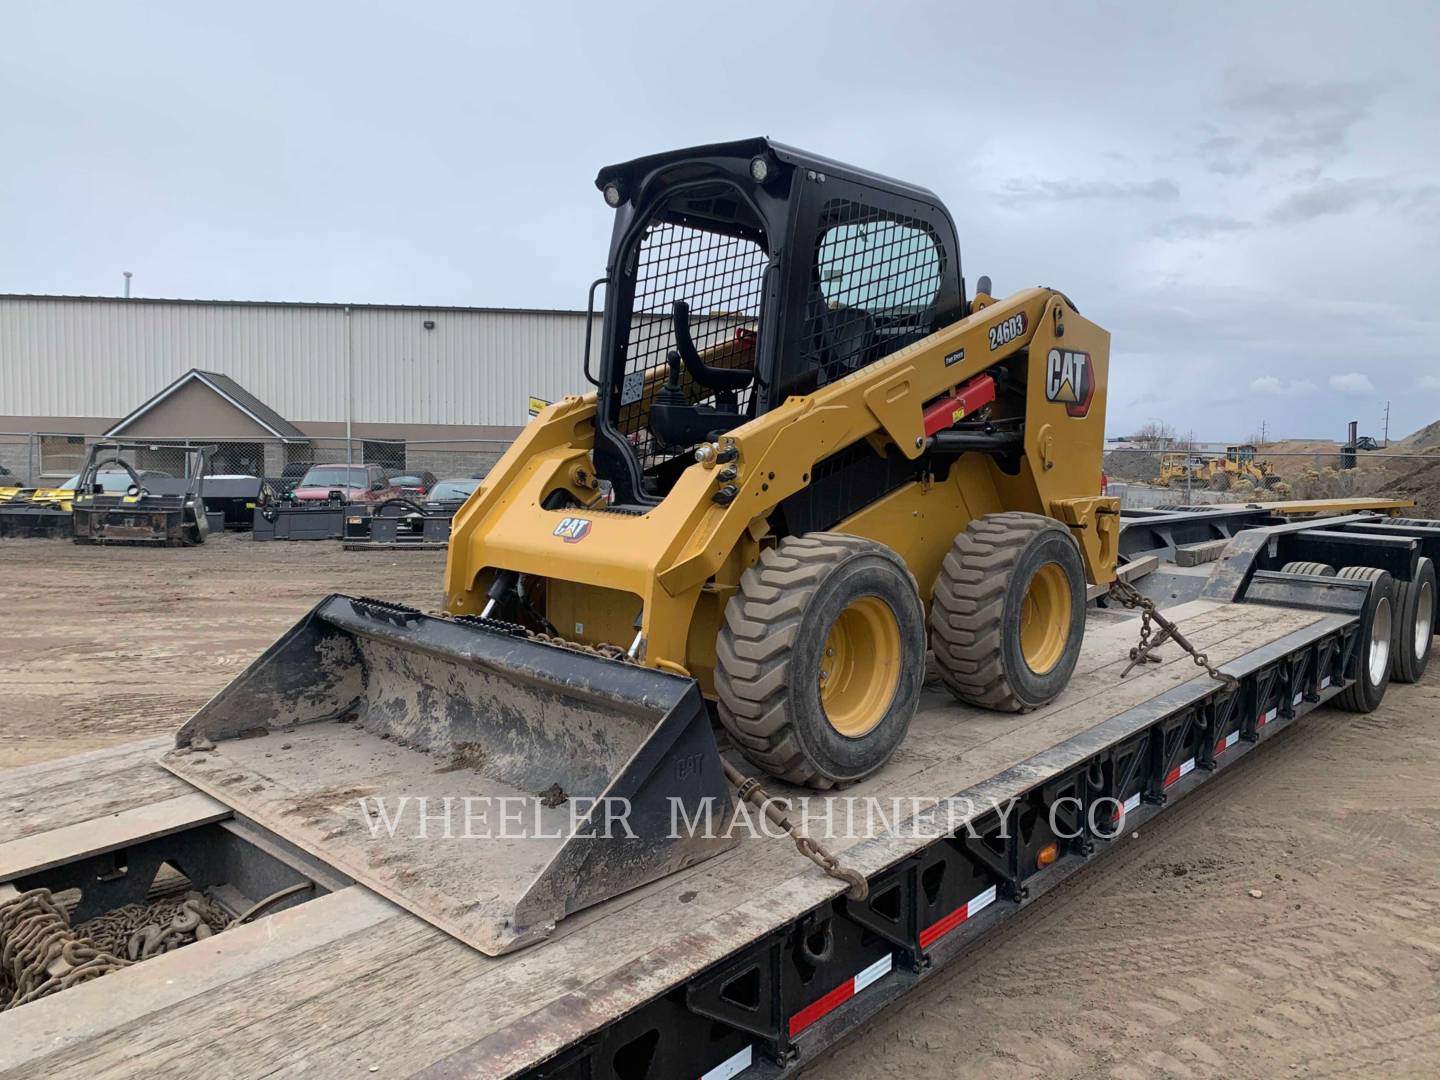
{"x":1069,"y":380}
{"x":572,"y":529}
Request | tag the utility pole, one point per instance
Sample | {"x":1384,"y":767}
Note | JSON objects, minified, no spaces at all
{"x":1262,"y":432}
{"x":1387,"y":423}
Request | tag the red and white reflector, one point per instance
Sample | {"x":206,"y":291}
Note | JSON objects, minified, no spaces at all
{"x":968,"y":910}
{"x":1267,"y":717}
{"x":1227,"y":742}
{"x":1324,"y":682}
{"x":732,"y":1066}
{"x":1185,"y":768}
{"x":1298,"y":698}
{"x":841,"y":994}
{"x":1128,"y":806}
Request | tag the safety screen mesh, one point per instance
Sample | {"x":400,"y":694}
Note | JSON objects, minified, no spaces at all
{"x":877,"y":275}
{"x":721,"y":278}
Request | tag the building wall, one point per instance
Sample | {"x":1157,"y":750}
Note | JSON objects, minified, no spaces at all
{"x":100,"y":358}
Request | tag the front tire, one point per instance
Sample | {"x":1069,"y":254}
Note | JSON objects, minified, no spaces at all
{"x":1007,"y":616}
{"x":821,"y":659}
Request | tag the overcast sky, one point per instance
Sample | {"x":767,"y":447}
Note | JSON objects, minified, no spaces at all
{"x":1246,"y":195}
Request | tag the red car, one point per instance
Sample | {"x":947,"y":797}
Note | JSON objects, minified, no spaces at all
{"x":356,"y":483}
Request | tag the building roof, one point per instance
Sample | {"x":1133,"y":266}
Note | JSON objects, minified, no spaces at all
{"x":292,"y":304}
{"x":232,"y":392}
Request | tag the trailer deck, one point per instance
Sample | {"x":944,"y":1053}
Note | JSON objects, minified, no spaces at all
{"x":348,"y":979}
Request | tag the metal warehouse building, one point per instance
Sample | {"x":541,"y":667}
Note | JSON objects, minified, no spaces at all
{"x":297,"y":380}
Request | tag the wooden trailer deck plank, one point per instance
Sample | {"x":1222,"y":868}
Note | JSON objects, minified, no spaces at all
{"x":70,"y":843}
{"x":51,"y":794}
{"x":403,"y":995}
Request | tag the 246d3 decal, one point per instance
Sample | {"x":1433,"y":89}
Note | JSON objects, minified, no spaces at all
{"x":1069,"y":380}
{"x":1005,"y":332}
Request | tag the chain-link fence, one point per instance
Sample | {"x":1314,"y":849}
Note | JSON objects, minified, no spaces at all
{"x":50,"y":459}
{"x":1171,"y":476}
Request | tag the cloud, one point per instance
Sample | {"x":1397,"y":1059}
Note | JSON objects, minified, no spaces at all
{"x":1304,"y":119}
{"x":1269,"y":384}
{"x":1353,"y":383}
{"x":1430,"y":382}
{"x":1031,"y":192}
{"x":1198,"y":226}
{"x":1342,"y":196}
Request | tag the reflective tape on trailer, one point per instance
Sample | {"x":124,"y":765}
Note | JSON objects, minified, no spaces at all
{"x":1298,"y":698}
{"x":1324,"y":682}
{"x":731,"y":1066}
{"x":968,"y":910}
{"x":1129,"y":805}
{"x":841,"y":994}
{"x":1185,"y":768}
{"x":1227,"y":742}
{"x":1266,"y":717}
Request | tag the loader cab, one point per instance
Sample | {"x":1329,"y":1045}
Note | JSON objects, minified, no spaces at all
{"x":741,"y":274}
{"x":1240,"y":455}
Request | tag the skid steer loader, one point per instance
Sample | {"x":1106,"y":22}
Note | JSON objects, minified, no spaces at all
{"x":808,"y":460}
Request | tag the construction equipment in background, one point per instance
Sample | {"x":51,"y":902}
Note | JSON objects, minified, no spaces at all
{"x":1178,"y":468}
{"x":400,"y":524}
{"x":153,"y":509}
{"x":236,"y":497}
{"x":287,"y":519}
{"x":810,"y":459}
{"x":1239,"y":464}
{"x":30,"y":512}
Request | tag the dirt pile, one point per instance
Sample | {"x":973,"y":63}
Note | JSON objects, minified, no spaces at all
{"x":1138,"y":465}
{"x":1421,"y":483}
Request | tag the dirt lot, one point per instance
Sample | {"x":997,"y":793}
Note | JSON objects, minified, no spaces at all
{"x":104,"y":645}
{"x":1156,"y":961}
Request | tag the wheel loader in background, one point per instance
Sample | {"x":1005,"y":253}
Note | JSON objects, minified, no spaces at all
{"x":809,"y":459}
{"x":1239,"y":463}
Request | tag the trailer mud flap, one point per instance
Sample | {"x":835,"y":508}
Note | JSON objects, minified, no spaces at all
{"x":490,"y":783}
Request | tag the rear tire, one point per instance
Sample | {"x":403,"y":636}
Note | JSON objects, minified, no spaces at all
{"x":1376,"y":641}
{"x":1414,"y":623}
{"x":821,"y":659}
{"x":1315,"y":569}
{"x":1008,"y":612}
{"x":1219,"y":482}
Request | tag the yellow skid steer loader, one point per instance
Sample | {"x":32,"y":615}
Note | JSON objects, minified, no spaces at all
{"x":809,"y":459}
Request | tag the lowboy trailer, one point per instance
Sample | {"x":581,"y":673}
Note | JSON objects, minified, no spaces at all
{"x":753,"y":962}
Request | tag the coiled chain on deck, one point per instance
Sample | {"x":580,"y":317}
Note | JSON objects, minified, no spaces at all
{"x":140,"y":931}
{"x":1142,"y":653}
{"x":40,"y":954}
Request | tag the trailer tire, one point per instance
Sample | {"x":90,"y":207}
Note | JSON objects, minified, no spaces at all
{"x":1414,"y":622}
{"x":1314,"y":569}
{"x":983,"y":601}
{"x":1376,"y":638}
{"x":811,"y":601}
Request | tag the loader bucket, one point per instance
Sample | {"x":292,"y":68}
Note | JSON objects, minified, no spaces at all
{"x":490,"y":783}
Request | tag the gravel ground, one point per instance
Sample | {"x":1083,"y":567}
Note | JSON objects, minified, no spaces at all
{"x":1157,"y":961}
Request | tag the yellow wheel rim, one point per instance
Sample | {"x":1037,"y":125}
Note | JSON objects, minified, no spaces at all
{"x":860,"y":667}
{"x":1045,"y":619}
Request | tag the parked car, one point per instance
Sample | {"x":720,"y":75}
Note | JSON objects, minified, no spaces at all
{"x":453,"y":491}
{"x":356,"y":483}
{"x":414,"y":483}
